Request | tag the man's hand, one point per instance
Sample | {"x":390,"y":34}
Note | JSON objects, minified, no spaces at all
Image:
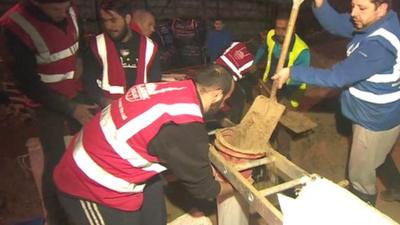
{"x":318,"y":3}
{"x":105,"y":102}
{"x":82,"y":112}
{"x":226,"y":190}
{"x":282,"y":77}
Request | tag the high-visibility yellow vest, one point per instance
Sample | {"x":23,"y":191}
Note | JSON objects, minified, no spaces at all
{"x":298,"y":47}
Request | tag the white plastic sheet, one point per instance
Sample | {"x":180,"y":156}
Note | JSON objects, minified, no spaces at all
{"x":321,"y":201}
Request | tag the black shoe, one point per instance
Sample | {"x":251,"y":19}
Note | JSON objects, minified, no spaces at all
{"x":370,"y":199}
{"x":391,"y":194}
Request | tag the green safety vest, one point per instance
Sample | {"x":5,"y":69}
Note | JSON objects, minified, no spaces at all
{"x":299,"y":46}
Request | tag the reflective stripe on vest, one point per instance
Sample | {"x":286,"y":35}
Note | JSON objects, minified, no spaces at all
{"x":380,"y":78}
{"x":43,"y":55}
{"x":298,"y":47}
{"x":118,"y":140}
{"x":104,"y":83}
{"x":54,"y":78}
{"x":149,"y":53}
{"x":98,"y":174}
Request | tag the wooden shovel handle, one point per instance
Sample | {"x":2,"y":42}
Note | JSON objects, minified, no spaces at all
{"x":286,"y":42}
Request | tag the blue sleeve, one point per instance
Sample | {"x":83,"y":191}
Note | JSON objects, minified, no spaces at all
{"x":369,"y":59}
{"x":260,"y":53}
{"x":227,"y":41}
{"x":303,"y":59}
{"x":332,"y":21}
{"x":230,"y":38}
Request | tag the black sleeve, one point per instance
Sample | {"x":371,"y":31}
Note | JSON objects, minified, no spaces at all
{"x":28,"y":81}
{"x":155,"y":72}
{"x":83,"y":40}
{"x":184,"y":150}
{"x":91,"y":72}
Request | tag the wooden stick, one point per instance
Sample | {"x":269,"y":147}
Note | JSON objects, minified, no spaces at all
{"x":284,"y":186}
{"x":286,"y":43}
{"x":250,"y":194}
{"x":253,"y":163}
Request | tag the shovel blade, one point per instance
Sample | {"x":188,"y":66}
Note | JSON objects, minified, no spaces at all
{"x":252,"y":134}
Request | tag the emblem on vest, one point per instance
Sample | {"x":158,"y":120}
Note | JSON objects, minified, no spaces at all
{"x":239,"y":54}
{"x":145,"y":91}
{"x":139,"y":92}
{"x":352,"y":48}
{"x":127,"y":59}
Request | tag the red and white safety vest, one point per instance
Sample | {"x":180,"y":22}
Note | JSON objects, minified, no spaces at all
{"x":237,"y":58}
{"x":108,"y":161}
{"x":113,"y":80}
{"x":55,"y":50}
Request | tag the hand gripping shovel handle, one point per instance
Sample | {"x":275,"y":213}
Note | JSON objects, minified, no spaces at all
{"x":286,"y":42}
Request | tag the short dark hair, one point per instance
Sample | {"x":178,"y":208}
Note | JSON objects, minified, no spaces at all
{"x":214,"y":76}
{"x":122,"y":7}
{"x":283,"y":14}
{"x":380,"y":2}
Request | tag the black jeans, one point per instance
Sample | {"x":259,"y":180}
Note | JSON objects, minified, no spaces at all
{"x":152,"y":212}
{"x":51,"y":133}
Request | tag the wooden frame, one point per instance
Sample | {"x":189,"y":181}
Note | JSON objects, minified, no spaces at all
{"x":291,"y":174}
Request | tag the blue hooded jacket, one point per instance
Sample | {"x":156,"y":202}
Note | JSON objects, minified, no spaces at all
{"x":369,"y":76}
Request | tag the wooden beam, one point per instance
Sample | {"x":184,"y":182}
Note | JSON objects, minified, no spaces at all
{"x":284,"y":186}
{"x":258,"y":202}
{"x":253,"y":163}
{"x":285,"y":168}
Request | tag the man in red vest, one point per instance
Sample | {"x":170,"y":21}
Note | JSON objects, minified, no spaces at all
{"x":120,"y":57}
{"x":42,"y":40}
{"x":109,"y":172}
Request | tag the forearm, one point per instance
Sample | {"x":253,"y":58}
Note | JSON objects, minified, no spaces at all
{"x":332,"y":21}
{"x":91,"y":72}
{"x":184,"y":149}
{"x":226,"y":189}
{"x":43,"y":95}
{"x":367,"y":60}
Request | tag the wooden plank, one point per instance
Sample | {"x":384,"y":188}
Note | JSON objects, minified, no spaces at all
{"x":253,"y":163}
{"x":286,"y":169}
{"x":297,"y":122}
{"x":284,"y":186}
{"x":258,"y":202}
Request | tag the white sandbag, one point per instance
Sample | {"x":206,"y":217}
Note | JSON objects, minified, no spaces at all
{"x":232,"y":211}
{"x":321,"y":201}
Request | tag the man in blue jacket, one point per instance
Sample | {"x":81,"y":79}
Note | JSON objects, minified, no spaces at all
{"x":218,"y":40}
{"x":370,"y":79}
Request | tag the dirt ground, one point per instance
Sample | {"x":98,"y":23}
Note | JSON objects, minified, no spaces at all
{"x":323,"y":151}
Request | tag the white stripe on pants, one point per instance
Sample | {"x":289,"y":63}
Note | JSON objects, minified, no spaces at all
{"x":368,"y":151}
{"x":92,"y":213}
